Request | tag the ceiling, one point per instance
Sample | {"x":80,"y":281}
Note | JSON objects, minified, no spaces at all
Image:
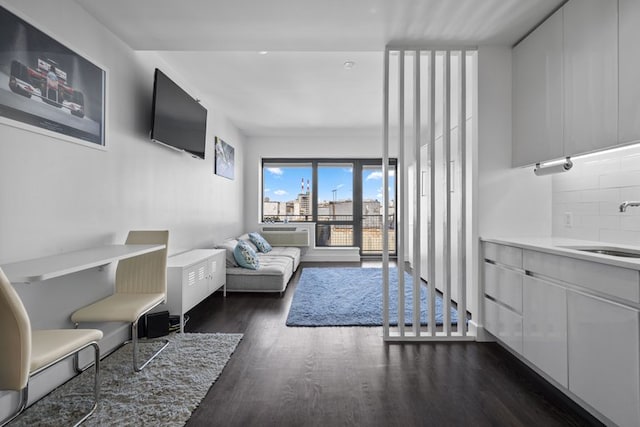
{"x":301,"y":85}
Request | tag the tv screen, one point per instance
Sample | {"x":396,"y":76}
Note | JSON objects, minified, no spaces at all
{"x":177,"y":120}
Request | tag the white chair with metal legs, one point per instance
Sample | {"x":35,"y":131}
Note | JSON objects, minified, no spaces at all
{"x":27,"y":352}
{"x":141,"y":285}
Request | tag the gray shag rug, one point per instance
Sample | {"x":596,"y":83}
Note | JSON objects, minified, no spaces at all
{"x":165,"y":393}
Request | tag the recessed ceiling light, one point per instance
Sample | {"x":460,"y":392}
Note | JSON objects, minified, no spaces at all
{"x":348,"y":65}
{"x":263,"y":52}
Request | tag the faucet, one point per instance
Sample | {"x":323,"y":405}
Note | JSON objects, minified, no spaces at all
{"x":624,"y":205}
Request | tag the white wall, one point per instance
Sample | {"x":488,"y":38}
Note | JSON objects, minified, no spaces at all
{"x":591,"y":193}
{"x":509,"y":202}
{"x":57,"y":196}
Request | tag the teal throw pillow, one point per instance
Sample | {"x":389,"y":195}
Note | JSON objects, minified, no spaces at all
{"x":260,"y":242}
{"x":245,"y":256}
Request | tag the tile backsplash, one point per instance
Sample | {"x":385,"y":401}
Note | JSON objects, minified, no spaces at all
{"x":586,"y":199}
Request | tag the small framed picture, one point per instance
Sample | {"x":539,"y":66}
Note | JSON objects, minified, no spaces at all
{"x":224,"y":159}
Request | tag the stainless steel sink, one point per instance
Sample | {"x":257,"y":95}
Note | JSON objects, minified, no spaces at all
{"x":616,"y":252}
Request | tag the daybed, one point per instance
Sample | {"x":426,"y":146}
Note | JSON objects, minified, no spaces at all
{"x":276,"y":268}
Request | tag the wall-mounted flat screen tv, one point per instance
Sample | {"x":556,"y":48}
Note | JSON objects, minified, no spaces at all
{"x":177,"y":120}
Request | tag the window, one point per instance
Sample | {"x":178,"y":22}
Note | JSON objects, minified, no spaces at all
{"x":286,"y":192}
{"x":372,"y":209}
{"x":342,"y":196}
{"x":334,"y":225}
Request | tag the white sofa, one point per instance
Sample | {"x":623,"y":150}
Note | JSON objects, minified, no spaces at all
{"x":276,"y":268}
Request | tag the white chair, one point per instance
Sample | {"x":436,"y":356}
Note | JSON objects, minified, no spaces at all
{"x":141,"y":285}
{"x":26,"y":353}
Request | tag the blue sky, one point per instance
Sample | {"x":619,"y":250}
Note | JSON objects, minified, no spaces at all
{"x":283,"y":183}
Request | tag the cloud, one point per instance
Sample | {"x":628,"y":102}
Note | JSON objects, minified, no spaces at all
{"x":266,"y":190}
{"x":280,"y":192}
{"x":374,"y":175}
{"x":276,"y":171}
{"x":378,"y":175}
{"x":339,"y":186}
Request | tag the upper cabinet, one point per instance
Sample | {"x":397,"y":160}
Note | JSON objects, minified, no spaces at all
{"x":565,"y":84}
{"x":537,"y":94}
{"x":590,"y":75}
{"x":629,"y":57}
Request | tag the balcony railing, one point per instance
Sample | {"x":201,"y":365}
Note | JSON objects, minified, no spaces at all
{"x":337,"y":230}
{"x":287,"y":218}
{"x":343,"y":234}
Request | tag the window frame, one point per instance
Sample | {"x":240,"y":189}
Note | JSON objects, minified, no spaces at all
{"x":356,"y":221}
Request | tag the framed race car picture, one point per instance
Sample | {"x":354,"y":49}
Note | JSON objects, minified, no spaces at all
{"x":48,"y":88}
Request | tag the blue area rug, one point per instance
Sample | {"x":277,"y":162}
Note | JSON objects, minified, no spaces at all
{"x":353,"y":297}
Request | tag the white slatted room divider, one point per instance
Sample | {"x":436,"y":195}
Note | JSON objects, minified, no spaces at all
{"x":437,"y":87}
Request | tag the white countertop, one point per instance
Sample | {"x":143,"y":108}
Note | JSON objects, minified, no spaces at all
{"x":558,"y":246}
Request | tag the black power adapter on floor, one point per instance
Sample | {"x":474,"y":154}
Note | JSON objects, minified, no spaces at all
{"x":153,"y":325}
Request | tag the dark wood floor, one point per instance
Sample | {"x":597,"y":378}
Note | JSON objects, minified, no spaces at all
{"x":281,"y":376}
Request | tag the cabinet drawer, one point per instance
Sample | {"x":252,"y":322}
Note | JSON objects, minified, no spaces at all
{"x":606,"y":279}
{"x":507,"y":255}
{"x":503,"y":285}
{"x":505,"y":324}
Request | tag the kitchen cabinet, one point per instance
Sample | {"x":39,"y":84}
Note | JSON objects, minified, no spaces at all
{"x":503,"y":294}
{"x":504,"y":324}
{"x":504,"y":285}
{"x":565,"y":83}
{"x":620,"y":282}
{"x":579,"y":320}
{"x":629,"y":70}
{"x":537,"y":94}
{"x":603,"y":356}
{"x":544,"y":329}
{"x":590,"y":75}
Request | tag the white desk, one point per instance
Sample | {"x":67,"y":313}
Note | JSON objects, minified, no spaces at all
{"x":34,"y":270}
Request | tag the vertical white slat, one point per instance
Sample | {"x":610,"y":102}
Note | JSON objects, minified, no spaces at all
{"x":431,"y":273}
{"x":416,"y":198}
{"x":400,"y":235}
{"x":446,"y":139}
{"x":385,"y":185}
{"x":462,"y":133}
